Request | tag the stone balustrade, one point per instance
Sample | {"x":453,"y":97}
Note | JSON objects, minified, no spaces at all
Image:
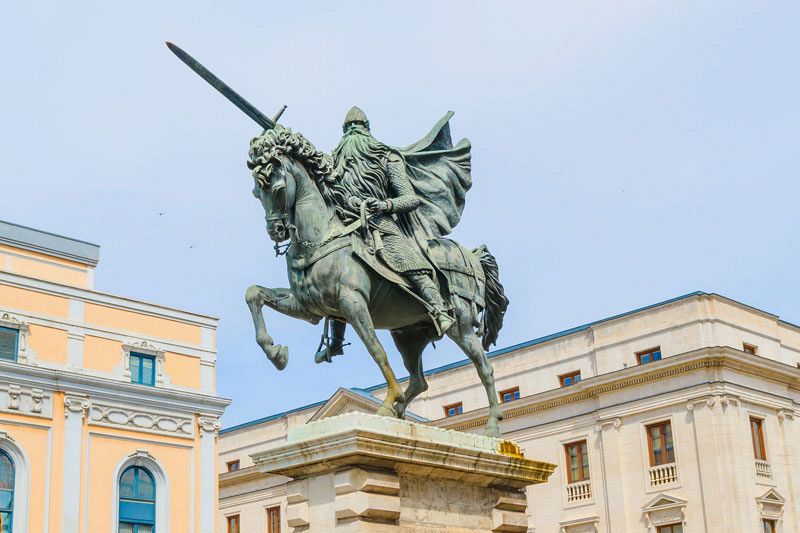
{"x":763,"y":469}
{"x":663,"y":474}
{"x":580,"y":491}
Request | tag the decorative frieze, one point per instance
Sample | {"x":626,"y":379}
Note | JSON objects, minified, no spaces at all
{"x":131,"y":418}
{"x":15,"y":398}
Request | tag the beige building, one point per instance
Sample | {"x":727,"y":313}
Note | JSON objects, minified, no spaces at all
{"x":108,"y":405}
{"x":678,"y":417}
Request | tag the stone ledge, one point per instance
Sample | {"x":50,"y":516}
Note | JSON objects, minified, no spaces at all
{"x":400,"y":446}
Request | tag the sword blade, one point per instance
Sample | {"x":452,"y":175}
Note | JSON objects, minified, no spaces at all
{"x":235,"y":98}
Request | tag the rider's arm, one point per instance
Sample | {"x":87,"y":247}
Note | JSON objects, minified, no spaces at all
{"x":404,"y":199}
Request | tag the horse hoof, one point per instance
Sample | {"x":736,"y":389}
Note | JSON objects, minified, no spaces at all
{"x":278,"y":355}
{"x":400,"y":410}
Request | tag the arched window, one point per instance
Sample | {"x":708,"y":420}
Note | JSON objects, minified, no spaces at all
{"x":6,"y":492}
{"x":137,"y":501}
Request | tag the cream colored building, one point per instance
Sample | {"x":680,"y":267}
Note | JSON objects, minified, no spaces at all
{"x":108,"y":405}
{"x":684,"y":419}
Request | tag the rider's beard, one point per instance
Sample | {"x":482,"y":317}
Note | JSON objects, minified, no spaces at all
{"x":359,"y":163}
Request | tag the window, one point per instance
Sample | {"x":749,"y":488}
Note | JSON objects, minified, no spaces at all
{"x":453,"y":409}
{"x":648,"y":356}
{"x":509,"y":395}
{"x":137,"y":501}
{"x":9,"y":342}
{"x":6,"y":492}
{"x":770,"y":526}
{"x":757,"y":432}
{"x":233,"y":524}
{"x":672,"y":528}
{"x":274,"y":520}
{"x":233,"y":466}
{"x":570,"y":379}
{"x":659,"y":443}
{"x":577,"y":461}
{"x":749,"y":348}
{"x":143,"y":369}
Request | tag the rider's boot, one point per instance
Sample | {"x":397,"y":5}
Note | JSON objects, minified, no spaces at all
{"x":429,"y":292}
{"x":336,"y":346}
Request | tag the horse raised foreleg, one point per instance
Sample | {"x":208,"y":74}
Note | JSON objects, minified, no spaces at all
{"x":356,"y":312}
{"x":411,"y":342}
{"x":282,"y":301}
{"x":464,"y":336}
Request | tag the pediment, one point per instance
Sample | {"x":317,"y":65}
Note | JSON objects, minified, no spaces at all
{"x":663,"y":501}
{"x":772,"y":496}
{"x":358,"y":400}
{"x":346,"y":401}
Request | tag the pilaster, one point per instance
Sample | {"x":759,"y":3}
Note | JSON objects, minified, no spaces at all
{"x":209,"y":427}
{"x":613,"y":492}
{"x":75,"y":408}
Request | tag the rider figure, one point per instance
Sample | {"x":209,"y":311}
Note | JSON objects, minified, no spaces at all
{"x":367,"y":172}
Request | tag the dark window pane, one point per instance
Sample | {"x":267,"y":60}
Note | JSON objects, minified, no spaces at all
{"x":126,"y":484}
{"x":645,"y":358}
{"x":577,"y":378}
{"x":8,"y":344}
{"x":145,"y":487}
{"x":136,"y":370}
{"x":567,"y":381}
{"x":6,"y":500}
{"x":6,"y":472}
{"x":657,"y":356}
{"x":585,"y":460}
{"x":148,"y":371}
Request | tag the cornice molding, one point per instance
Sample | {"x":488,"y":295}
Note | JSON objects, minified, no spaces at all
{"x":717,"y":357}
{"x":50,"y":380}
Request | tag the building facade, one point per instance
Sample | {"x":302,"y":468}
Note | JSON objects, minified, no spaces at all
{"x":674,"y":418}
{"x":108,"y":405}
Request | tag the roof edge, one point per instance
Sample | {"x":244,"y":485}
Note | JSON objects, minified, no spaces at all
{"x":47,"y":243}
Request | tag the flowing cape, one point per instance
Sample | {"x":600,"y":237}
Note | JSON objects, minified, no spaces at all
{"x":440,"y":175}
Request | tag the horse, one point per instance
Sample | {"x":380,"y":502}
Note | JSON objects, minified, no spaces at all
{"x":328,"y":280}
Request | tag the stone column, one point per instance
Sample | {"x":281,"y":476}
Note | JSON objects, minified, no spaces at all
{"x":209,"y":427}
{"x":361,"y":473}
{"x":75,"y":408}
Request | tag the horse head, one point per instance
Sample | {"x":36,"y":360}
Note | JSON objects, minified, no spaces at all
{"x":273,"y":184}
{"x":278,"y":157}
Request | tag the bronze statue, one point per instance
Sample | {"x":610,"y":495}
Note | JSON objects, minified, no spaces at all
{"x":366,"y":246}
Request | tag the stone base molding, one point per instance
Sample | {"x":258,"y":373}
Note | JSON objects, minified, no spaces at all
{"x":359,"y":472}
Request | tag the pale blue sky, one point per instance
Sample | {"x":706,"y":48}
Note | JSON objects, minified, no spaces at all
{"x":623,"y":152}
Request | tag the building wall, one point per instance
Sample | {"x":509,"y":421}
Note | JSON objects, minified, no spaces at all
{"x":69,"y":409}
{"x":706,"y":386}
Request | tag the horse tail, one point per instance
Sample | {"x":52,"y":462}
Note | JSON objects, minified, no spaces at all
{"x":496,"y":300}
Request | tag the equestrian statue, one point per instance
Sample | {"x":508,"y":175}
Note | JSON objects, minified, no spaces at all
{"x":364,"y":233}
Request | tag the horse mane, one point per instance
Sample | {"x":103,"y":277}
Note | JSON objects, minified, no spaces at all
{"x":265,"y":149}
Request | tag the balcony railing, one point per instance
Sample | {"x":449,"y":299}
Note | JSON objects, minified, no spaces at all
{"x":663,"y":474}
{"x":763,"y":469}
{"x":579,"y":491}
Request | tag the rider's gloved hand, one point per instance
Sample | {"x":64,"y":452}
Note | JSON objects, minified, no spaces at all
{"x":377,"y":206}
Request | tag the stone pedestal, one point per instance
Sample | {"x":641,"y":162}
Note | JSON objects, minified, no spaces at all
{"x":358,"y":472}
